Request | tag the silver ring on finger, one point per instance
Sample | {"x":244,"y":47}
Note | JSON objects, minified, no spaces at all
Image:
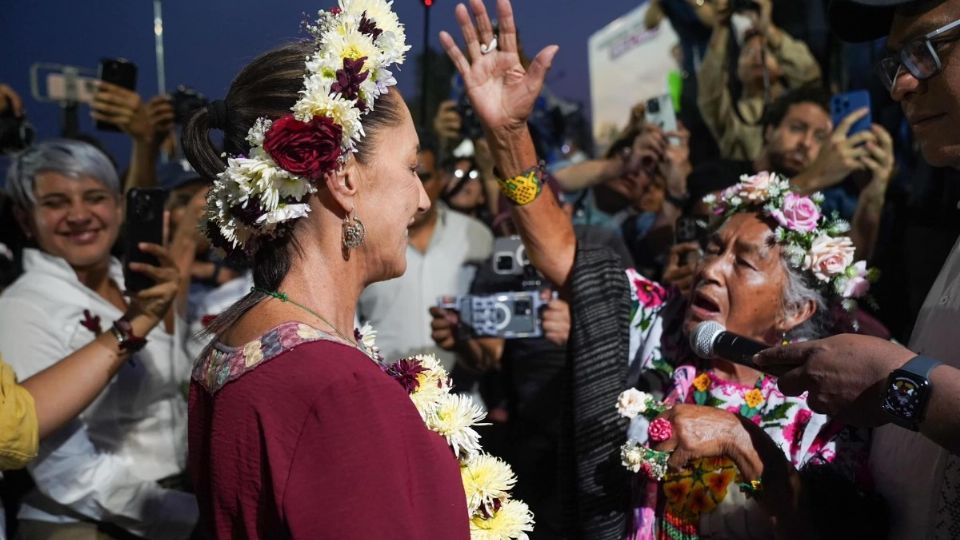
{"x":487,"y":48}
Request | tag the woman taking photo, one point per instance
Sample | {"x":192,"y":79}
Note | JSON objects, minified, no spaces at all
{"x":726,"y":455}
{"x":65,"y":327}
{"x":295,"y":431}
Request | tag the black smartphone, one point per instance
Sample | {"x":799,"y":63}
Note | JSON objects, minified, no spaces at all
{"x":688,"y":229}
{"x":143,"y":223}
{"x":120,"y":72}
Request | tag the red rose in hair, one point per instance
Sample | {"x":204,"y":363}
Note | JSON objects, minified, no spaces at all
{"x":307,"y":149}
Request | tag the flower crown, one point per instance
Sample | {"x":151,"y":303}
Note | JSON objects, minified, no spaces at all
{"x":260,"y":192}
{"x":812,"y":242}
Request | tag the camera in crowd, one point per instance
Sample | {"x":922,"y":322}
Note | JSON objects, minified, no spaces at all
{"x":186,"y":101}
{"x":510,"y":314}
{"x":16,"y":133}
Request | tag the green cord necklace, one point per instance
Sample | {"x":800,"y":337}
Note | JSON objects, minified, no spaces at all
{"x":284,"y":298}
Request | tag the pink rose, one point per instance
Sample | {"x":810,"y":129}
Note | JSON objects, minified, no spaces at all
{"x":756,"y":188}
{"x":858,"y":285}
{"x":829,"y":257}
{"x":660,"y":430}
{"x":799,"y":213}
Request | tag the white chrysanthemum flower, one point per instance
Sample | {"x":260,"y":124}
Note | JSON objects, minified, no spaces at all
{"x":485,"y":479}
{"x":258,"y":131}
{"x":284,"y":212}
{"x":432,"y":384}
{"x":513,"y":520}
{"x":340,"y":110}
{"x":378,"y":11}
{"x":633,"y":402}
{"x":348,"y":42}
{"x":453,"y":419}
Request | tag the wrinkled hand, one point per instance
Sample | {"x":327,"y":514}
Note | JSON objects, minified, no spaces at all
{"x":556,"y":320}
{"x":842,"y":154}
{"x":447,"y":123}
{"x":703,"y":432}
{"x":648,"y":151}
{"x":682,"y":266}
{"x":443,"y":328}
{"x":501,"y":91}
{"x":844,"y":374}
{"x":155,"y":301}
{"x":9,"y":99}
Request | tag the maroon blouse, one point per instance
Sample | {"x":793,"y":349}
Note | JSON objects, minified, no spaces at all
{"x":296,"y":436}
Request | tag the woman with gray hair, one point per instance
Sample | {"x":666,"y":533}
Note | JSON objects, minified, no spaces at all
{"x":714,"y":449}
{"x":68,"y":329}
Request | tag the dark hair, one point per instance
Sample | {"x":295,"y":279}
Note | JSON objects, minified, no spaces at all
{"x":268,"y":87}
{"x":778,"y":110}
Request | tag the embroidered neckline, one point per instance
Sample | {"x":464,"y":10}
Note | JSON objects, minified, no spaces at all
{"x":222,"y":363}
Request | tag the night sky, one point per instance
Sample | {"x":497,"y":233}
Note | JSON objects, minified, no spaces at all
{"x":208,"y":41}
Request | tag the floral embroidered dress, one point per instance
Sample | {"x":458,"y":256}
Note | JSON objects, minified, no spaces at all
{"x":708,"y":490}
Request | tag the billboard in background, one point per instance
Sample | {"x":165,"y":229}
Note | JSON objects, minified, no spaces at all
{"x":628,"y":64}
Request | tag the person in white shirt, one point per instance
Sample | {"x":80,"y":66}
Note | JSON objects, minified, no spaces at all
{"x":912,"y":393}
{"x":442,"y":246}
{"x":100,"y":471}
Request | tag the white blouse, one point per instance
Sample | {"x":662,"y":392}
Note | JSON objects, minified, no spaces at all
{"x":104,"y":465}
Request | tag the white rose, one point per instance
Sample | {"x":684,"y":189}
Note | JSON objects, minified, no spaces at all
{"x":829,"y":257}
{"x":632,"y":402}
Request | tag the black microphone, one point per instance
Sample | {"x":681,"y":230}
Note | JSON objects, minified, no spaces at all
{"x":711,"y":340}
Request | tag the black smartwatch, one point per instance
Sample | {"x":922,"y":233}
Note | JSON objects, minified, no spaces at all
{"x":908,"y":391}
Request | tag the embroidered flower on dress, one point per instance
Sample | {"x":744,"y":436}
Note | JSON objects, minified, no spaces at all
{"x":754,"y":398}
{"x":702,"y":383}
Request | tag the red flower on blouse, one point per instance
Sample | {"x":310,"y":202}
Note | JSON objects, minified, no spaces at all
{"x":649,"y":293}
{"x":91,"y":322}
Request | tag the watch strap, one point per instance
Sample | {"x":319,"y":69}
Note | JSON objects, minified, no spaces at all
{"x":921,"y":365}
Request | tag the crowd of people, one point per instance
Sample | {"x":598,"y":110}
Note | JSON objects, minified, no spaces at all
{"x":329,"y":248}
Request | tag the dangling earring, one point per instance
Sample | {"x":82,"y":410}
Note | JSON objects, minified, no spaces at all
{"x":353,"y":233}
{"x":784,"y":340}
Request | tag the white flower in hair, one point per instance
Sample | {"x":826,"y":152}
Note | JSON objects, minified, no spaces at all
{"x":283,"y":213}
{"x":512,"y":520}
{"x":380,"y":12}
{"x":258,"y":131}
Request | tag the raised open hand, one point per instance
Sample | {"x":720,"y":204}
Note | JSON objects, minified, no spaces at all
{"x":501,"y":91}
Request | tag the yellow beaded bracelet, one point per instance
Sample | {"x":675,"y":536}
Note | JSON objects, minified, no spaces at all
{"x":524,"y":188}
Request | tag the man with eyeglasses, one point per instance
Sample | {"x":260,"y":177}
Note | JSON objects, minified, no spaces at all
{"x":913,"y":394}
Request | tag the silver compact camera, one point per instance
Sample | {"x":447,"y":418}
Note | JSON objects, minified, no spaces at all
{"x":508,"y":315}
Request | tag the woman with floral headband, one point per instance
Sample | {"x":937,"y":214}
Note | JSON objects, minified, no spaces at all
{"x":744,"y":461}
{"x":294,"y":431}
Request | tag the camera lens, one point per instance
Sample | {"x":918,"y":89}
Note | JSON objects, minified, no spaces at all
{"x":653,"y":106}
{"x":504,"y":263}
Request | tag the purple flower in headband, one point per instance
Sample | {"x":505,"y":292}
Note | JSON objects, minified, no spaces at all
{"x":349,"y":80}
{"x":798,"y":213}
{"x":369,"y":27}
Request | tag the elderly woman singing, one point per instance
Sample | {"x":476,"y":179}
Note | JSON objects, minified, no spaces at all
{"x":714,"y":449}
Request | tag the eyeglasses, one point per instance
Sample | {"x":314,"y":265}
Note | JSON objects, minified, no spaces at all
{"x":919,"y":56}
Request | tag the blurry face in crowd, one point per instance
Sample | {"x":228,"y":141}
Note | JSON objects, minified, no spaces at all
{"x":471,"y":194}
{"x":932,"y":106}
{"x":389,"y":197}
{"x":433,"y":182}
{"x":750,"y":64}
{"x":740,"y":282}
{"x":77,"y":219}
{"x":795,"y":143}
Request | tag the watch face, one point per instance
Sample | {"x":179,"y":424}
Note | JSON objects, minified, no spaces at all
{"x":904,"y":396}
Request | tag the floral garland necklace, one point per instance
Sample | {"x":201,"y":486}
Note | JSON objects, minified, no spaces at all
{"x":487,"y":480}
